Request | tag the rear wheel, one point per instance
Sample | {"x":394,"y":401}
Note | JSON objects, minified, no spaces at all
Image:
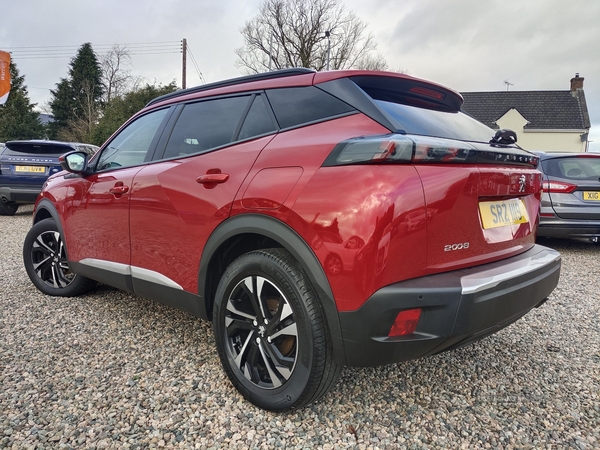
{"x":271,"y":333}
{"x":45,"y":260}
{"x":8,"y":209}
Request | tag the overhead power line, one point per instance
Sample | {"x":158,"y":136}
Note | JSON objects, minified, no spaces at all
{"x":69,"y":51}
{"x":195,"y":64}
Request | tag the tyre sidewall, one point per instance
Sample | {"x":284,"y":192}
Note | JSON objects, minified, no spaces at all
{"x":293,"y":390}
{"x":77,"y":286}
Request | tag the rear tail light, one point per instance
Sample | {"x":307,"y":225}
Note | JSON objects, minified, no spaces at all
{"x":406,"y":322}
{"x":558,"y":187}
{"x":401,"y":149}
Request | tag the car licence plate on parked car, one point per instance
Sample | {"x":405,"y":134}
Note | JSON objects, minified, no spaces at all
{"x":502,"y":213}
{"x":590,"y":196}
{"x":30,"y":169}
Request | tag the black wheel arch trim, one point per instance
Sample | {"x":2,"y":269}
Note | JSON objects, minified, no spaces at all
{"x":290,"y":240}
{"x":47,"y":206}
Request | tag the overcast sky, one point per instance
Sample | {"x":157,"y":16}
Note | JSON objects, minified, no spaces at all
{"x":467,"y":45}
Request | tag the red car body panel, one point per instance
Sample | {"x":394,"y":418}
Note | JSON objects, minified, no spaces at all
{"x":96,"y":221}
{"x":393,"y":215}
{"x":173,"y":215}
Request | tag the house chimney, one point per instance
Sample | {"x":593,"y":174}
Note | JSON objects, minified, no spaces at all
{"x":576,"y":83}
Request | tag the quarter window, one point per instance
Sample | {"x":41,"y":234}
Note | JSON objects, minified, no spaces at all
{"x":300,"y":105}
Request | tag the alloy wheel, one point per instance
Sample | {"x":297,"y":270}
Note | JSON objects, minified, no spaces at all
{"x":262,"y":337}
{"x":49,"y":260}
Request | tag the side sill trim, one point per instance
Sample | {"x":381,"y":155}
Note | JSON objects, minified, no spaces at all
{"x":133,"y":271}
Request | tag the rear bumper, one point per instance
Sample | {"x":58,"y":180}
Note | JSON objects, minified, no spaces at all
{"x":19,"y":194}
{"x":458,"y":308}
{"x":568,"y":228}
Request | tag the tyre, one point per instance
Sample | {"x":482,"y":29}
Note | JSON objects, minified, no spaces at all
{"x":45,"y":260}
{"x":271,"y":333}
{"x":8,"y":209}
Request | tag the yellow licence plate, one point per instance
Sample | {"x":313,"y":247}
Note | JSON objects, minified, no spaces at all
{"x":30,"y":169}
{"x":589,"y":196}
{"x":502,"y":213}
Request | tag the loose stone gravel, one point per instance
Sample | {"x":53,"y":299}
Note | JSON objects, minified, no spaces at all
{"x":112,"y":370}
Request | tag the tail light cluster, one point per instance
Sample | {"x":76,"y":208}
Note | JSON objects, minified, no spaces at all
{"x":402,"y":149}
{"x":558,"y":187}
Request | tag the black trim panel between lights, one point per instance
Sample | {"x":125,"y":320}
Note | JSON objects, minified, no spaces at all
{"x":233,"y":81}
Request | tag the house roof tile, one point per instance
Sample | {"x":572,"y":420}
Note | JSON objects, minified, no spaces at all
{"x":545,"y":110}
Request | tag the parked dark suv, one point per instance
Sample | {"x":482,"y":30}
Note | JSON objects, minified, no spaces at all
{"x":318,"y":219}
{"x":25,"y":166}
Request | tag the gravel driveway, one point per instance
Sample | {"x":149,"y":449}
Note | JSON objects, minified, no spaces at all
{"x":112,"y":370}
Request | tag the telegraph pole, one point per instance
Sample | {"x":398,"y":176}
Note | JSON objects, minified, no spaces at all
{"x":183,"y":71}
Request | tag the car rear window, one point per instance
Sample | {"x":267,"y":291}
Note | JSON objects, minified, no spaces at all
{"x":17,"y":149}
{"x":575,"y":168}
{"x":428,"y":122}
{"x":417,"y":107}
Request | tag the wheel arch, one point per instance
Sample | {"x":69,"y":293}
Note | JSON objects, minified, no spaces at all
{"x":247,"y":232}
{"x":45,"y":209}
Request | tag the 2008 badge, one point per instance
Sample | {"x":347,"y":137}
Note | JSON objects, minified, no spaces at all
{"x":453,"y":247}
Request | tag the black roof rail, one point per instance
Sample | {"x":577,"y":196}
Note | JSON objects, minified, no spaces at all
{"x":245,"y":79}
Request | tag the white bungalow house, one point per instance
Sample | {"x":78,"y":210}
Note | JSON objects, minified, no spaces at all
{"x":543,"y":120}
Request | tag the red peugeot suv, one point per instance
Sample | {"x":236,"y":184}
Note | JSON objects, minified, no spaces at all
{"x":318,"y":219}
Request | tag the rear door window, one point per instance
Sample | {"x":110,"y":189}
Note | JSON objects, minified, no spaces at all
{"x":206,"y":125}
{"x":258,"y":121}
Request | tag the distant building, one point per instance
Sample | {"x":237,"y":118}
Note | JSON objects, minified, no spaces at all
{"x":543,"y":120}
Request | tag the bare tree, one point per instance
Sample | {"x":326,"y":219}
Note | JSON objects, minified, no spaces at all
{"x":116,"y":77}
{"x":306,"y":33}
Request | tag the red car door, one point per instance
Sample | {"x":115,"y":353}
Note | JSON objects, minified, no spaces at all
{"x":175,"y":206}
{"x":96,"y":217}
{"x":176,"y":203}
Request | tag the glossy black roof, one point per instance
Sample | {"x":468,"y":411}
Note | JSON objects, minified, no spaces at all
{"x":233,"y":81}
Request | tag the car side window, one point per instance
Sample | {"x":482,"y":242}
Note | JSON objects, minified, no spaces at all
{"x":206,"y":125}
{"x":258,"y":121}
{"x":131,"y":146}
{"x":300,"y":105}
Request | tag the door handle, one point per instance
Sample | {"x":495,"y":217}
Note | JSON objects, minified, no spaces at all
{"x":119,"y":189}
{"x":213,"y":178}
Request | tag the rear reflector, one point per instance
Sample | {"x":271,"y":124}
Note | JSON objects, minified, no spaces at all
{"x":558,"y":187}
{"x":405,"y":323}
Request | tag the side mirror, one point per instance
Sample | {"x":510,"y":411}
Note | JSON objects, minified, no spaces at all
{"x":75,"y":162}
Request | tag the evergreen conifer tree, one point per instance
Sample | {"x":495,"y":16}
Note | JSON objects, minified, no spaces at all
{"x":18,"y":120}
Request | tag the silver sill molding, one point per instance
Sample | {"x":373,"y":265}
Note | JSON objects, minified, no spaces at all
{"x":133,"y":271}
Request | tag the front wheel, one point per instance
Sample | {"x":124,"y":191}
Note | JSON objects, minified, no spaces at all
{"x":45,"y":259}
{"x":271,"y":333}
